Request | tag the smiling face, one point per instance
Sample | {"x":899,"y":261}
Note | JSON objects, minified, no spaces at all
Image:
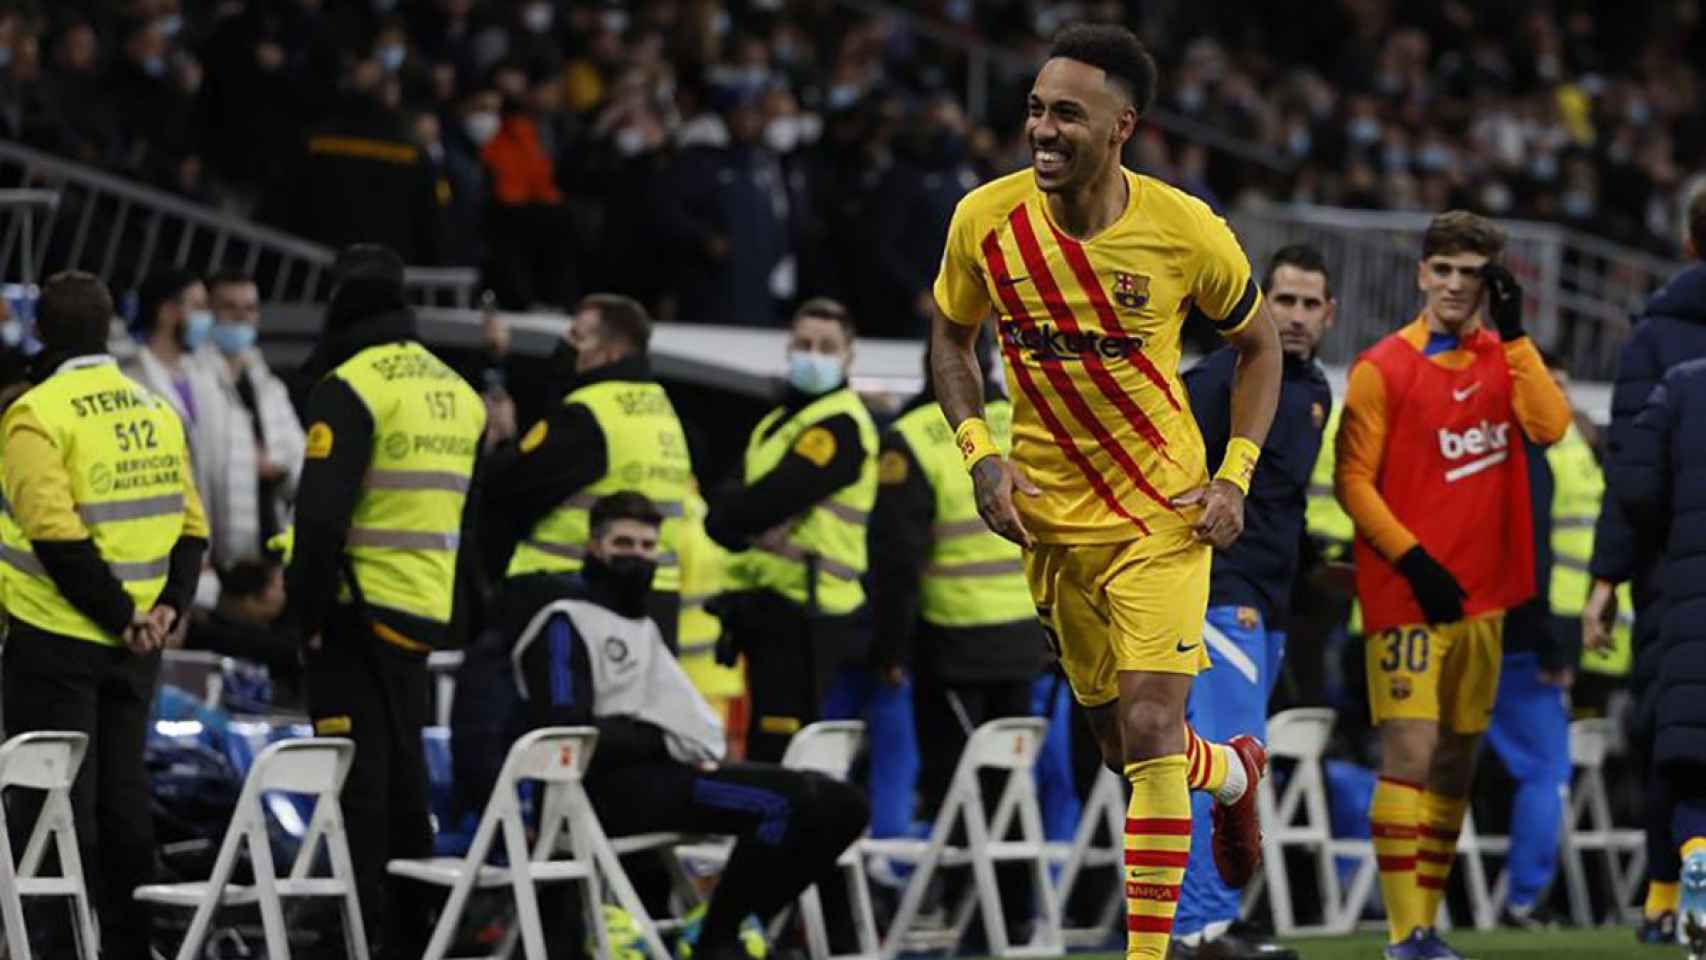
{"x":1452,"y":284}
{"x":1077,"y":122}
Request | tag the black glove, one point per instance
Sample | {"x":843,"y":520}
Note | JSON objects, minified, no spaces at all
{"x":1435,"y":588}
{"x":1504,"y":300}
{"x":726,"y":608}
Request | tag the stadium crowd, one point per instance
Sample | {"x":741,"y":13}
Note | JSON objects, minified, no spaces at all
{"x":773,"y":149}
{"x":728,"y":163}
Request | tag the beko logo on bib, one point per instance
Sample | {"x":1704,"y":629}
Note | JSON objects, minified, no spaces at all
{"x":1487,"y":442}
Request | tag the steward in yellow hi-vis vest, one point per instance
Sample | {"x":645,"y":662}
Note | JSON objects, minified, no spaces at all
{"x":393,"y":435}
{"x":796,"y":527}
{"x":615,"y":429}
{"x":101,"y":539}
{"x":950,"y":606}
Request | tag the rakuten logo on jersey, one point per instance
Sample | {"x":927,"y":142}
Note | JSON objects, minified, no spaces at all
{"x":1048,"y":342}
{"x":1488,"y":443}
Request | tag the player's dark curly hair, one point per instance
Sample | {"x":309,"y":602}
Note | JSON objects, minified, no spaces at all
{"x":1117,"y":51}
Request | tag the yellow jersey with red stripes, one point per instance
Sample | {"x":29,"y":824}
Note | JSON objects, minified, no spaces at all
{"x":1089,"y":333}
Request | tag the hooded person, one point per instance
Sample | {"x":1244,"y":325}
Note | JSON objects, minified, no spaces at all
{"x":373,"y":578}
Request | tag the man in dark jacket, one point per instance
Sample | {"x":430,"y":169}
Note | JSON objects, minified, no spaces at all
{"x":1250,"y":586}
{"x":1658,"y":473}
{"x":1672,"y":330}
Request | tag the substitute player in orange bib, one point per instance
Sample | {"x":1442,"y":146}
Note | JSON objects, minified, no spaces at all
{"x":1432,"y":469}
{"x":1090,"y":270}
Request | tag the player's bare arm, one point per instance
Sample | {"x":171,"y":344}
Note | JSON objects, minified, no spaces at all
{"x":959,"y":389}
{"x":1255,"y":396}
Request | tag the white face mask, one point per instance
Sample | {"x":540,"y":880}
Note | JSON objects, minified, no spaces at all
{"x":481,"y":126}
{"x":537,"y":17}
{"x":630,"y":140}
{"x":782,"y":134}
{"x":813,"y":373}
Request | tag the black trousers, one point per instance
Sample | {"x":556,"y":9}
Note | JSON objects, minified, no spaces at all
{"x":54,"y":682}
{"x":378,"y":696}
{"x":789,"y":828}
{"x":945,"y":714}
{"x":792,"y":658}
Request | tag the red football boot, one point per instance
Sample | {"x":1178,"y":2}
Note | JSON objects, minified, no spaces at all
{"x":1237,"y":830}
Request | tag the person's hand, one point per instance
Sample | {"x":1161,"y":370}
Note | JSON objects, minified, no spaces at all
{"x":494,"y":330}
{"x":1563,"y":678}
{"x":140,"y":637}
{"x":500,"y":416}
{"x":995,"y":478}
{"x":1222,"y":518}
{"x":1504,"y":300}
{"x":1599,"y":615}
{"x":269,"y":471}
{"x":1437,"y":591}
{"x":165,"y":622}
{"x":894,"y":675}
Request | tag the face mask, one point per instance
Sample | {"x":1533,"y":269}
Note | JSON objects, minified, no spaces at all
{"x":1364,"y":130}
{"x":391,"y":57}
{"x":614,"y":21}
{"x":537,"y":17}
{"x":197,"y":326}
{"x":1496,"y":197}
{"x":1578,"y":204}
{"x":170,"y":24}
{"x":814,"y":373}
{"x":630,"y":141}
{"x":782,"y":134}
{"x":1544,"y":167}
{"x":233,"y":338}
{"x":1435,"y":158}
{"x":12,"y":332}
{"x":481,"y":126}
{"x":154,"y":66}
{"x":5,"y":57}
{"x":623,"y":582}
{"x":1299,"y":141}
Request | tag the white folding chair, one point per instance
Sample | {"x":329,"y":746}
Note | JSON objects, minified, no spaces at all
{"x":1009,"y":744}
{"x":1297,"y":818}
{"x":1590,"y":743}
{"x":555,"y":757}
{"x":443,"y":664}
{"x":315,"y":766}
{"x":1103,"y":816}
{"x":46,"y":761}
{"x":1484,"y":900}
{"x":196,"y":672}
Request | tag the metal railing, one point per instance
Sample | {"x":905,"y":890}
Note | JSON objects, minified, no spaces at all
{"x":121,"y":230}
{"x":989,"y":68}
{"x":1580,"y":291}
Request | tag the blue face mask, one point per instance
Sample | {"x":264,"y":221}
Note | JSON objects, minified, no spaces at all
{"x":391,"y":57}
{"x":814,"y":373}
{"x":197,"y":326}
{"x":233,"y":338}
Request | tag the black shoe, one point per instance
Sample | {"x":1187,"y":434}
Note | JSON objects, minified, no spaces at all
{"x":1659,"y":930}
{"x":1181,"y":951}
{"x":1244,"y":943}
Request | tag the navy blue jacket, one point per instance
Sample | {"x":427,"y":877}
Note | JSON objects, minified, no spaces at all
{"x":1258,"y":570}
{"x":1529,"y":627}
{"x":1672,"y":330}
{"x":1659,"y":475}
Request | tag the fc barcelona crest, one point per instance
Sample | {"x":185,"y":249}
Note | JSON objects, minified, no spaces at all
{"x":1131,"y":290}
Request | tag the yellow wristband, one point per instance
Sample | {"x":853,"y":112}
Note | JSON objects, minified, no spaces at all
{"x":1239,"y":464}
{"x":975,"y":442}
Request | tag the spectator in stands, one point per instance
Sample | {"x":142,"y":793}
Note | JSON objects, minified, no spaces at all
{"x":466,"y":131}
{"x":1658,"y":473}
{"x":257,"y":92}
{"x":251,"y":598}
{"x":586,"y":654}
{"x":152,"y":90}
{"x":361,"y":178}
{"x":14,"y":363}
{"x":25,"y":110}
{"x":87,"y":130}
{"x":263,"y":421}
{"x":1671,"y":330}
{"x":527,"y":227}
{"x":724,"y":210}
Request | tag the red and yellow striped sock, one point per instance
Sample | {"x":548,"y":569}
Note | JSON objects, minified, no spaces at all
{"x":1436,"y":847}
{"x":1207,"y":764}
{"x":1393,"y":816}
{"x":1157,"y":847}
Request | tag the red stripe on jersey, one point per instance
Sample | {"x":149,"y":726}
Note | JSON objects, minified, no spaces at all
{"x":1032,"y":252}
{"x":1157,"y":858}
{"x":1159,"y":826}
{"x":1086,"y":274}
{"x":1062,"y":384}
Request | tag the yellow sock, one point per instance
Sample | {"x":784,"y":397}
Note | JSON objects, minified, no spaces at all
{"x":1157,"y":847}
{"x":1436,"y":847}
{"x":1393,"y":816}
{"x":1207,"y":764}
{"x":1662,"y":898}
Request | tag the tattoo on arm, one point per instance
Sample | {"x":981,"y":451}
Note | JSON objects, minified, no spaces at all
{"x":954,"y":365}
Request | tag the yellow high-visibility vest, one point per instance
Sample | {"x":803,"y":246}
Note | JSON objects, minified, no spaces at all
{"x":1324,"y":518}
{"x":703,"y":563}
{"x":407,"y":524}
{"x":646,"y":451}
{"x":131,"y":482}
{"x":832,"y":531}
{"x":1578,"y":485}
{"x":973,"y":578}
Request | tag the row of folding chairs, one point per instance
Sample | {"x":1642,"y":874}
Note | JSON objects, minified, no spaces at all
{"x":1297,"y":819}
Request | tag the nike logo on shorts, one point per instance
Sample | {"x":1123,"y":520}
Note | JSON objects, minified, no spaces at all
{"x":1181,"y":647}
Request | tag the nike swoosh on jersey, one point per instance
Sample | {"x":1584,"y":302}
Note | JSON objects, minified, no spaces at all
{"x":1010,"y":281}
{"x":1466,"y":392}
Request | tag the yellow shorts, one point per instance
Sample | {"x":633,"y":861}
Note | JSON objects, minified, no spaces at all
{"x":1112,"y":607}
{"x":1448,"y":673}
